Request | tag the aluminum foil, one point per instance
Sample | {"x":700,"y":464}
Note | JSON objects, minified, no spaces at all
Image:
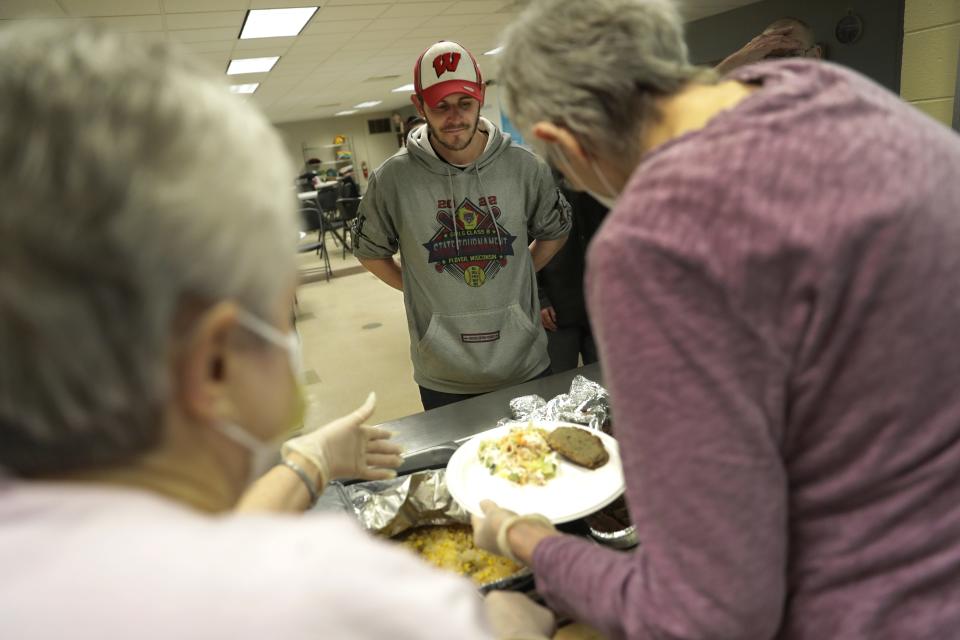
{"x":587,"y":403}
{"x":390,"y":507}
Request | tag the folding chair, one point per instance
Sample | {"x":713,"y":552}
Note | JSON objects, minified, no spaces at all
{"x":311,"y":219}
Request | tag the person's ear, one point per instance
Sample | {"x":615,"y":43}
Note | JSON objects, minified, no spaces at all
{"x":418,"y":105}
{"x":203,"y":365}
{"x":555,"y":135}
{"x":818,"y":51}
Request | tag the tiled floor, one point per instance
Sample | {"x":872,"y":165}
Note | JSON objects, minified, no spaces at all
{"x":354,"y":334}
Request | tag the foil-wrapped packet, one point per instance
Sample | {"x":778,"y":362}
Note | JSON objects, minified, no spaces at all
{"x":587,"y":403}
{"x":390,"y":507}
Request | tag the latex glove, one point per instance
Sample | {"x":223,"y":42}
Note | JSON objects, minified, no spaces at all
{"x":346,"y":448}
{"x":490,"y":532}
{"x":486,"y":529}
{"x":514,"y":616}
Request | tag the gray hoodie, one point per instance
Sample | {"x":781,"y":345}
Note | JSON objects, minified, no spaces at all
{"x":468,"y":279}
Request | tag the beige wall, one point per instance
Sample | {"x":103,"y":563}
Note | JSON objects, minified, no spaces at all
{"x":931,"y":39}
{"x":372,"y":148}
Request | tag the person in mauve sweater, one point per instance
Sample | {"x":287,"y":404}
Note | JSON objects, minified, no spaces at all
{"x":775,"y":298}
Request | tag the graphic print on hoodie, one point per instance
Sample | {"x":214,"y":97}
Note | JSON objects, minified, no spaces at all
{"x":468,"y":278}
{"x":471,"y":246}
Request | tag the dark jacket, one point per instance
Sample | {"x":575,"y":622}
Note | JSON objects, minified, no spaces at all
{"x":560,"y":282}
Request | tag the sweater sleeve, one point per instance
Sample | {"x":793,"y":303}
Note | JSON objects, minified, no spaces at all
{"x":698,"y":406}
{"x":374,"y":229}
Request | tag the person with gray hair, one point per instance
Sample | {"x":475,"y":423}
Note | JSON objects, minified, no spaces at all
{"x":774,"y":295}
{"x":149,"y":362}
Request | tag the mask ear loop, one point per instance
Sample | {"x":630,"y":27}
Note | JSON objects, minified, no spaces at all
{"x":290,"y":342}
{"x":613,"y":194}
{"x":566,"y":163}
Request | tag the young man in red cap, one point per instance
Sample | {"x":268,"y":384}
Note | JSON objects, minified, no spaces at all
{"x":473,"y":216}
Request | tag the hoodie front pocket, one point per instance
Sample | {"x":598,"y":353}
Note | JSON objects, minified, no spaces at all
{"x":484,"y":347}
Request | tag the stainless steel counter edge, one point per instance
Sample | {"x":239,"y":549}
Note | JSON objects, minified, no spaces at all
{"x":466,"y":418}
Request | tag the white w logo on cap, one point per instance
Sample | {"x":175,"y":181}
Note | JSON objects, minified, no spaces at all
{"x":446,"y":62}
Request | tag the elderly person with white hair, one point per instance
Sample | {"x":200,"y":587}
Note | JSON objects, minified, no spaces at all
{"x":145,"y":302}
{"x":775,"y":297}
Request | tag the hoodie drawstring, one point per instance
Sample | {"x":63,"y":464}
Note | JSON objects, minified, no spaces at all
{"x":453,"y":212}
{"x":486,"y":198}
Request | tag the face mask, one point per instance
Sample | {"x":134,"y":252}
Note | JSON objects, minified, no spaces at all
{"x":607,"y":201}
{"x":264,"y":454}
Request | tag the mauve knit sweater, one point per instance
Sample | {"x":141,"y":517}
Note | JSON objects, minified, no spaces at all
{"x":777,"y":301}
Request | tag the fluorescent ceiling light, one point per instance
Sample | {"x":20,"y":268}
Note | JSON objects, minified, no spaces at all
{"x":251,"y":65}
{"x":493,"y":52}
{"x":349,"y":112}
{"x":244,"y":88}
{"x":403,"y":89}
{"x":364,"y":105}
{"x":275,"y":23}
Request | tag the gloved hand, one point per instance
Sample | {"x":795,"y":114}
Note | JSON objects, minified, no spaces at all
{"x":490,"y":532}
{"x":346,"y":448}
{"x":514,"y":616}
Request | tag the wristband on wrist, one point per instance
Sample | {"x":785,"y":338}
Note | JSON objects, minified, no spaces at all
{"x":307,"y":482}
{"x":503,"y":544}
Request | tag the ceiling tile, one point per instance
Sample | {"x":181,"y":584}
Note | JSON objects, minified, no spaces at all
{"x":331,"y":39}
{"x":301,"y":56}
{"x":280,"y":45}
{"x":219,"y":62}
{"x":205,"y":20}
{"x":477,"y":6}
{"x":90,"y":8}
{"x":204,"y":35}
{"x":429,"y":35}
{"x":447,"y":20}
{"x":132,"y":23}
{"x":292,"y":69}
{"x":190,"y":6}
{"x":335,"y":3}
{"x":368,"y":48}
{"x":322,"y":27}
{"x":10,"y":9}
{"x":399,"y":25}
{"x":283,"y":4}
{"x":304,"y":55}
{"x":360,"y":12}
{"x":386,"y":38}
{"x":277,"y":83}
{"x":415,"y":9}
{"x":209,"y":47}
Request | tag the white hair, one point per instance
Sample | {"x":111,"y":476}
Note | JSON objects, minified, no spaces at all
{"x":129,"y":182}
{"x":595,"y":67}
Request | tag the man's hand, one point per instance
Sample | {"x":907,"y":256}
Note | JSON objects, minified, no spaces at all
{"x":778,"y":41}
{"x":515,"y":616}
{"x":548,"y":316}
{"x":346,"y":448}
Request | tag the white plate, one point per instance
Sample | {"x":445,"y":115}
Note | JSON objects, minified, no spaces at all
{"x":573,"y":493}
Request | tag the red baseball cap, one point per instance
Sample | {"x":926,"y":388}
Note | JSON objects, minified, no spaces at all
{"x":449,"y":69}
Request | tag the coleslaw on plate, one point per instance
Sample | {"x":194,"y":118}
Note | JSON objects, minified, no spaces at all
{"x":521,"y":456}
